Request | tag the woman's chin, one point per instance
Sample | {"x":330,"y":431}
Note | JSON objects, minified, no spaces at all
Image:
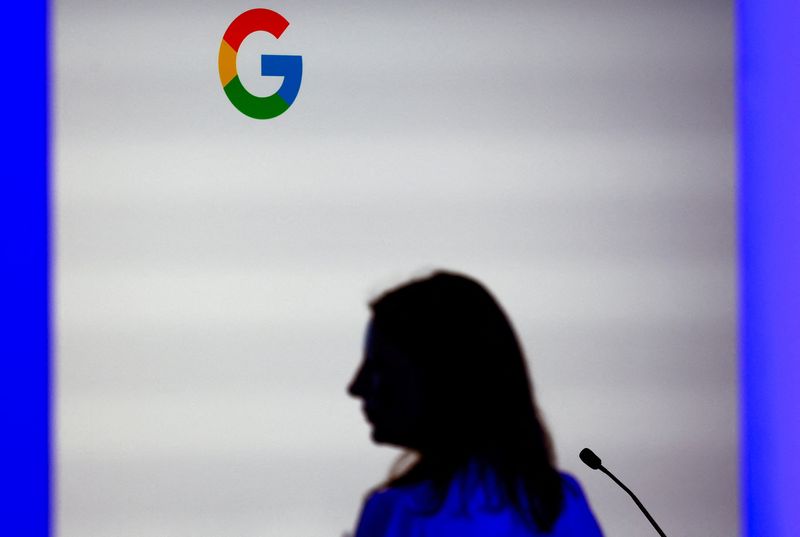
{"x":381,"y":437}
{"x":377,"y":436}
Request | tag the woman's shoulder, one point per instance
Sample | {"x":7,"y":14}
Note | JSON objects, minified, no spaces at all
{"x":571,"y":485}
{"x":385,"y":510}
{"x":400,"y":511}
{"x":388,"y":498}
{"x":576,"y":516}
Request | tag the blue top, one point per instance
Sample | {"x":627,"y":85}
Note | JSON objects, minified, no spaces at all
{"x":470,"y":509}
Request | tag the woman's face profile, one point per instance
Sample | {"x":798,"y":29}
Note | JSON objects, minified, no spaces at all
{"x":390,"y":385}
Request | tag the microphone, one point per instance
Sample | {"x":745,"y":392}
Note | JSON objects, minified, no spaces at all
{"x":593,"y":461}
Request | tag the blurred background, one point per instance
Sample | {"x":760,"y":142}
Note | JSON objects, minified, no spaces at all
{"x":213,"y":270}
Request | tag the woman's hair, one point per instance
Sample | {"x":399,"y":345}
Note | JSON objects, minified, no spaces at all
{"x":479,"y":400}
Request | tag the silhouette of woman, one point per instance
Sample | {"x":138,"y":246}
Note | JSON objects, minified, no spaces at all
{"x":444,"y":376}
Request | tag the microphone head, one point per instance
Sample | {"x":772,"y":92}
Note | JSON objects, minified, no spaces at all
{"x":590,"y":459}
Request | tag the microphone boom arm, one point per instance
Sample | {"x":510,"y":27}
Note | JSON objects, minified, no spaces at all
{"x":593,"y":461}
{"x":635,"y":499}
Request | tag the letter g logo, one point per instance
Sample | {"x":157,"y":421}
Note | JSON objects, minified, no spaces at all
{"x":289,"y":67}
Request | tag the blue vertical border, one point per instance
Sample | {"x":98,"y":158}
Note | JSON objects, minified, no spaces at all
{"x":768,"y":84}
{"x":25,"y":230}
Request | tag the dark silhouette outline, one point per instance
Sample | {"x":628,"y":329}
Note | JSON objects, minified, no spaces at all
{"x":477,"y":396}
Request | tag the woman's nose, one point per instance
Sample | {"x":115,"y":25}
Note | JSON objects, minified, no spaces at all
{"x":358,"y":385}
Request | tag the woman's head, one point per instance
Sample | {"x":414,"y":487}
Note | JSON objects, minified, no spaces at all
{"x":444,"y":375}
{"x":443,"y":369}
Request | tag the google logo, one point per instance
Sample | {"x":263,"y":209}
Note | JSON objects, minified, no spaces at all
{"x":289,"y":67}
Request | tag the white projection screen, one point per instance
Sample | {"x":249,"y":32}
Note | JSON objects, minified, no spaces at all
{"x":212,"y":270}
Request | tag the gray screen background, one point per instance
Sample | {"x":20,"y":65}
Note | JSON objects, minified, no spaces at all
{"x":212,"y":271}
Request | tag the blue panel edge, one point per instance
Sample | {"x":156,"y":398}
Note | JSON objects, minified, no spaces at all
{"x":25,"y":230}
{"x":768,"y":84}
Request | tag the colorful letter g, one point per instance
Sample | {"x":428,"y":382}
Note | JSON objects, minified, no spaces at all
{"x":289,"y":67}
